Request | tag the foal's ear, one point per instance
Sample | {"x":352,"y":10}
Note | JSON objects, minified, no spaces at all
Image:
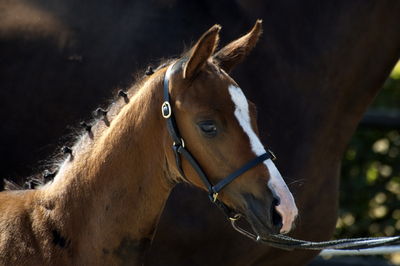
{"x":235,"y":52}
{"x":200,"y":53}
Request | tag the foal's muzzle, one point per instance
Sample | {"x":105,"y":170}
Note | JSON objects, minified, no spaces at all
{"x":262,"y":214}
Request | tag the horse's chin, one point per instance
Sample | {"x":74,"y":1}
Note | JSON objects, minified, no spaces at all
{"x":260,"y":228}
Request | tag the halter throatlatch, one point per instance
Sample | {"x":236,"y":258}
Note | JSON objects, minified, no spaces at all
{"x":179,"y":149}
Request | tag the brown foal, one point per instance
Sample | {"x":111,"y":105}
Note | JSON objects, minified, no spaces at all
{"x":103,"y":206}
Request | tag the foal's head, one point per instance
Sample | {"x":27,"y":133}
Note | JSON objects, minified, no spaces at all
{"x":218,"y":125}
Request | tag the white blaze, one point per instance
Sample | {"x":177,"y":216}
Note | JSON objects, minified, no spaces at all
{"x":287,"y":207}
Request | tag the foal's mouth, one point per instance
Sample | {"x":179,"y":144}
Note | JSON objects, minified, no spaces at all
{"x":263,"y":216}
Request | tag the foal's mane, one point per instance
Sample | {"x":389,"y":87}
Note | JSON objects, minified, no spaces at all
{"x":114,"y":106}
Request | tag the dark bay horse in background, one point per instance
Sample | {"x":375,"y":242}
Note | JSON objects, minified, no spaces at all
{"x":104,"y":203}
{"x":313,"y":74}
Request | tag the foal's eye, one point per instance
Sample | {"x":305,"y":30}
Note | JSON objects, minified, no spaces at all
{"x":208,"y":128}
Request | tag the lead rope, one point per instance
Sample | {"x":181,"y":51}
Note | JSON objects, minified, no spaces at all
{"x":289,"y":243}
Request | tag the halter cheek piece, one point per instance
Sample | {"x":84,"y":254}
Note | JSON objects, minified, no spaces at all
{"x":179,"y":149}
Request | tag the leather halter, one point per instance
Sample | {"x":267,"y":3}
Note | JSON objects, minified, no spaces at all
{"x":278,"y":241}
{"x":179,"y":149}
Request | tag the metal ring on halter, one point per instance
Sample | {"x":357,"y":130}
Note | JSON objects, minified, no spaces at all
{"x":182,"y":143}
{"x":166,"y":110}
{"x":214,"y":196}
{"x":236,"y":217}
{"x":241,"y":230}
{"x":273,"y":156}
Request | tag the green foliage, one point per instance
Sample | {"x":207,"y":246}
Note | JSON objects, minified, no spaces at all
{"x":389,"y":97}
{"x":370,"y":189}
{"x":370,"y":182}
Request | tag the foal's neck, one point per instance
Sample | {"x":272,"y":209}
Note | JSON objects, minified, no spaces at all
{"x":108,"y":198}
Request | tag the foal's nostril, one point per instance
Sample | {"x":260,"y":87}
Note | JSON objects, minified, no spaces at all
{"x":276,"y":201}
{"x":276,"y":219}
{"x":275,"y":216}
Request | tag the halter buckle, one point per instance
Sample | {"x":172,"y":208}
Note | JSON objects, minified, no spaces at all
{"x":214,"y":196}
{"x":166,"y":110}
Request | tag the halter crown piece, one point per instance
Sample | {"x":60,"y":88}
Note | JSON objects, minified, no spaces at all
{"x":179,"y":149}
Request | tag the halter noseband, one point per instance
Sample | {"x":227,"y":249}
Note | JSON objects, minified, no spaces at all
{"x":178,"y":147}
